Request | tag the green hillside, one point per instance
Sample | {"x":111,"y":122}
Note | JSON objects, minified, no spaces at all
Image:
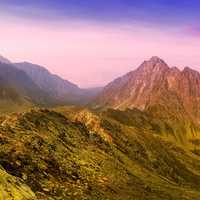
{"x":83,"y":155}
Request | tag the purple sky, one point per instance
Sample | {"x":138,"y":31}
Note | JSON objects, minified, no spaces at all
{"x":90,"y":48}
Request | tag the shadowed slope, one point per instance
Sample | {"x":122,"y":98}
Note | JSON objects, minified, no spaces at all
{"x":18,"y":88}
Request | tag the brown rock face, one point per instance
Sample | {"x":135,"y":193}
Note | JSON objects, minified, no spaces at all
{"x":154,"y":83}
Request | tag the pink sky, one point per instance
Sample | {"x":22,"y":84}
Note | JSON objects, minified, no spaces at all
{"x":93,"y":54}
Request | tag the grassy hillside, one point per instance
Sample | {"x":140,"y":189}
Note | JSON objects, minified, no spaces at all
{"x":161,"y":122}
{"x":83,"y":155}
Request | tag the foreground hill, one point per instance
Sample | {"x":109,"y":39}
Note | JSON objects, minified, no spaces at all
{"x":80,"y":154}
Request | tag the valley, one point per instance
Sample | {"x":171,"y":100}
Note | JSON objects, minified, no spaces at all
{"x":137,"y":138}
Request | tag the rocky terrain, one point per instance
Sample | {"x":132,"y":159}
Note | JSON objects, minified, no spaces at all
{"x":85,"y":155}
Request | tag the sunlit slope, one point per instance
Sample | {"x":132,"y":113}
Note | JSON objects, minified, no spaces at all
{"x":12,"y":188}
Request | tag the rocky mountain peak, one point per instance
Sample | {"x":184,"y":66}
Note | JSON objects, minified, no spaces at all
{"x":153,"y":65}
{"x":156,"y":59}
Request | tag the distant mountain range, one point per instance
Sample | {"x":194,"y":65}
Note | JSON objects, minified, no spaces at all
{"x":62,"y":91}
{"x":25,"y":84}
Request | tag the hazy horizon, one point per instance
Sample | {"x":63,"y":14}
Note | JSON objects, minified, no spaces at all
{"x":91,"y":43}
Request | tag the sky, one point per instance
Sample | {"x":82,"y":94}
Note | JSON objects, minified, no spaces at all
{"x":92,"y":42}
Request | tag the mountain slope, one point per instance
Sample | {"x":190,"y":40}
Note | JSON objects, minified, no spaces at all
{"x":61,"y":90}
{"x":46,"y":81}
{"x":17,"y":90}
{"x":85,"y":155}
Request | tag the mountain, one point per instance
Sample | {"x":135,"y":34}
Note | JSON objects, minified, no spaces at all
{"x":61,"y":90}
{"x":154,"y":82}
{"x":17,"y":90}
{"x":165,"y":93}
{"x":79,"y":154}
